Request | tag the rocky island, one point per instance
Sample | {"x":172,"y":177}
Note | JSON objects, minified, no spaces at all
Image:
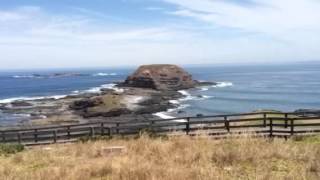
{"x":150,"y":89}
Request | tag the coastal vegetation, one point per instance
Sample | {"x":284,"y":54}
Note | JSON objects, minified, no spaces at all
{"x":6,"y":149}
{"x":174,"y":157}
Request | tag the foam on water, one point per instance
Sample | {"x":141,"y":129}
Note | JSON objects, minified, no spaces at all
{"x":164,"y":115}
{"x":9,"y":100}
{"x":187,"y":95}
{"x":223,"y":84}
{"x":179,"y":102}
{"x":76,"y":92}
{"x":204,"y":88}
{"x":184,"y":92}
{"x":181,"y":106}
{"x":206,"y":97}
{"x":174,"y":101}
{"x":99,"y":89}
{"x":113,"y":87}
{"x":23,"y":76}
{"x":105,"y":74}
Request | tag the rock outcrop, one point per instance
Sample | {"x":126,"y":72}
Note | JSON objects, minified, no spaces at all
{"x":160,"y":77}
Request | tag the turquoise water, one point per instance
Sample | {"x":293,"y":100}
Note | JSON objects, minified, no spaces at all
{"x":242,"y":88}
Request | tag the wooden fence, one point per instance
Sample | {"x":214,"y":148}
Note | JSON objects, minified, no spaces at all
{"x":264,"y":124}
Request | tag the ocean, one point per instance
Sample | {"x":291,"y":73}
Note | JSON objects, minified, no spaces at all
{"x":241,"y":88}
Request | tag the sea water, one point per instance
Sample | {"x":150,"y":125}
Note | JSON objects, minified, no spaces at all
{"x":240,"y":88}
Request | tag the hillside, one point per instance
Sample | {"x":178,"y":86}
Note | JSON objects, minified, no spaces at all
{"x":168,"y":158}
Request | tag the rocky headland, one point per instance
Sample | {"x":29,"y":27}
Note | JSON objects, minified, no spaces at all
{"x":150,"y":89}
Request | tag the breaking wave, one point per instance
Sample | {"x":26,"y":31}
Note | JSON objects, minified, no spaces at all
{"x":9,"y":100}
{"x":105,"y":74}
{"x":99,"y":89}
{"x":180,"y":105}
{"x":223,"y":84}
{"x":188,"y":96}
{"x":23,"y":76}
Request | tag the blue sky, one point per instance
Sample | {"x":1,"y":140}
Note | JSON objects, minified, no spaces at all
{"x":101,"y":33}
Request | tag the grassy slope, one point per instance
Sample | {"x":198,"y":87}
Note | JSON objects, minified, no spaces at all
{"x":173,"y":158}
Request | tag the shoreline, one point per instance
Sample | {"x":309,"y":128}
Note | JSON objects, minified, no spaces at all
{"x":134,"y":100}
{"x":173,"y":102}
{"x":37,"y":110}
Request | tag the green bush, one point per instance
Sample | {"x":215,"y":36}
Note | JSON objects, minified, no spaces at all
{"x":11,"y":148}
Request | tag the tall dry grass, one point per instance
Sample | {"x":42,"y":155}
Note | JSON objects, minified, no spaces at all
{"x":169,"y":158}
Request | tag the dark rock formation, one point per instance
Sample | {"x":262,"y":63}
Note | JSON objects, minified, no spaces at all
{"x":308,"y":112}
{"x":157,"y":103}
{"x":205,"y":83}
{"x":160,"y":77}
{"x":85,"y":103}
{"x":21,"y":104}
{"x":108,"y":113}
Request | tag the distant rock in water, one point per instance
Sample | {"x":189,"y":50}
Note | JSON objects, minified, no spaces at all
{"x":308,"y":112}
{"x":160,"y":77}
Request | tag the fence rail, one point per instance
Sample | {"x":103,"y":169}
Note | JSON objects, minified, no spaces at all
{"x":266,"y":124}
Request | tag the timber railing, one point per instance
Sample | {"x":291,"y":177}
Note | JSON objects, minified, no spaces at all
{"x":269,"y":124}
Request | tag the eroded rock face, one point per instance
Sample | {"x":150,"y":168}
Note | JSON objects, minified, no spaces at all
{"x":160,"y":77}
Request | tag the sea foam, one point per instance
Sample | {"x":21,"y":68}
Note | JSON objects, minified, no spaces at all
{"x":98,"y":89}
{"x":223,"y":84}
{"x":105,"y":74}
{"x":164,"y":115}
{"x":23,"y":76}
{"x":9,"y":100}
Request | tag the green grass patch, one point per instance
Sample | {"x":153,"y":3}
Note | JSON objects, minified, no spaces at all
{"x":11,"y":148}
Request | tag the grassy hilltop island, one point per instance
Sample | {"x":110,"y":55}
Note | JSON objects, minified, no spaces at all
{"x":162,"y":77}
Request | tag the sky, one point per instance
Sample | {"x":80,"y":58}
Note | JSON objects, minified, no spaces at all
{"x":107,"y":33}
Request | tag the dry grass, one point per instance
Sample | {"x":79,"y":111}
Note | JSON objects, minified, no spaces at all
{"x":169,"y":158}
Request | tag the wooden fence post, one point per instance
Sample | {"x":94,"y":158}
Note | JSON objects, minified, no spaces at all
{"x":55,"y":136}
{"x":265,"y":119}
{"x":188,"y":126}
{"x":68,"y":132}
{"x":3,"y":136}
{"x":271,"y":127}
{"x":92,"y":131}
{"x":286,"y":120}
{"x":102,"y":129}
{"x":151,"y":126}
{"x":292,"y":126}
{"x":110,"y":131}
{"x":36,"y":135}
{"x":19,"y":138}
{"x":117,"y":130}
{"x":226,"y":123}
